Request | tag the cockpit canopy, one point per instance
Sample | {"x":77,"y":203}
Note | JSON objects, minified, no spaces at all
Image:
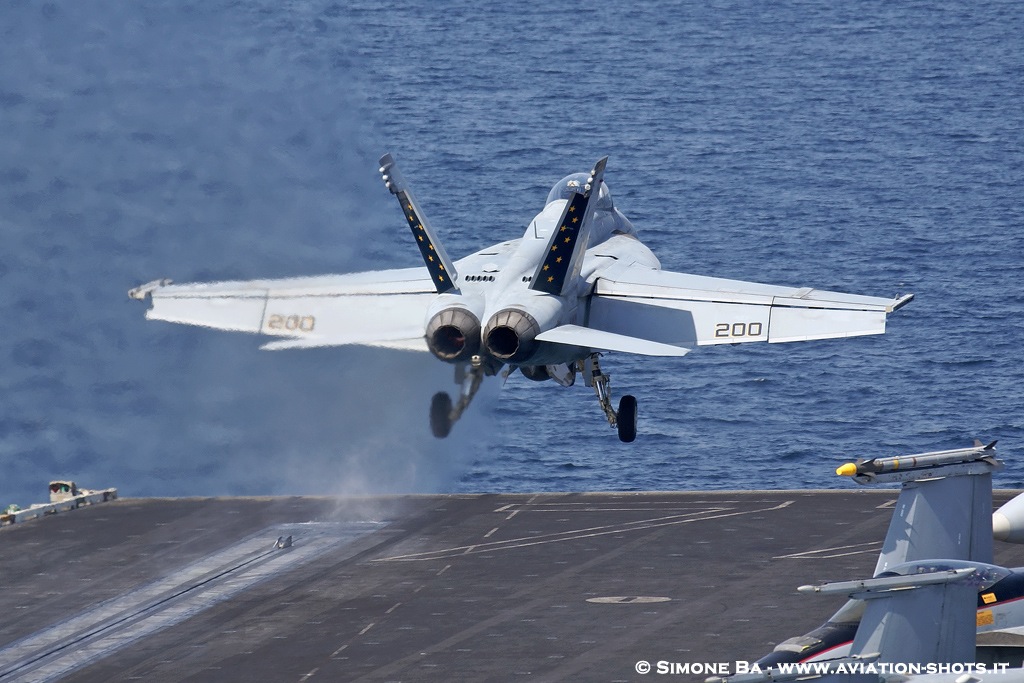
{"x":575,"y":183}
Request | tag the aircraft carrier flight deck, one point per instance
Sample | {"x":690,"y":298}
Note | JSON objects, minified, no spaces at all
{"x":547,"y":587}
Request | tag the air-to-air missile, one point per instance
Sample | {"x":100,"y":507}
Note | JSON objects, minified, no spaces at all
{"x":871,"y":468}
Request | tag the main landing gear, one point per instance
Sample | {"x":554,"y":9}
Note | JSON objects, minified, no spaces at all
{"x":443,"y":414}
{"x":624,"y":420}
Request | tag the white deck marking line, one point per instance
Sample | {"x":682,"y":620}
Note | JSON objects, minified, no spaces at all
{"x":597,"y":505}
{"x":563,"y":511}
{"x":639,"y":525}
{"x":374,"y":623}
{"x":869,"y":551}
{"x":623,"y":526}
{"x":512,"y":514}
{"x":869,"y":546}
{"x":490,"y":533}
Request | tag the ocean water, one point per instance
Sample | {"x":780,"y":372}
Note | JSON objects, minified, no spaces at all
{"x":868,"y":147}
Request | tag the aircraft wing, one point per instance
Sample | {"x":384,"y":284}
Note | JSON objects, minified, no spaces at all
{"x":688,"y":310}
{"x":379,"y":308}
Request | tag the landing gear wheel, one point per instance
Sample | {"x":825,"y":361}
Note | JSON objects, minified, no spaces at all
{"x":626,"y":422}
{"x":440,"y":414}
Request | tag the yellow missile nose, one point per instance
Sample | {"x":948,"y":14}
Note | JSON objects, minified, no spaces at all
{"x":847,"y":470}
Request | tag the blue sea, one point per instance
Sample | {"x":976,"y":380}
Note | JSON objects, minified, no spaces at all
{"x":867,"y":147}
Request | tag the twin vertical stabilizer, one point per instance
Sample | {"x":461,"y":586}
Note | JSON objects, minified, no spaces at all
{"x":442,"y":271}
{"x":569,"y":239}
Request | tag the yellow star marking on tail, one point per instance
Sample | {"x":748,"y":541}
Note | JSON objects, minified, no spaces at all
{"x":558,"y":260}
{"x":551,"y":279}
{"x":430,"y":258}
{"x":419,"y":237}
{"x":572,"y":208}
{"x":576,"y":218}
{"x":546,"y":266}
{"x":568,"y":239}
{"x":554,"y":248}
{"x":440,"y":265}
{"x":431,"y":247}
{"x":440,"y":278}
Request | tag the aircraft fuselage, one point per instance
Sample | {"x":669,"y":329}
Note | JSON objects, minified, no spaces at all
{"x":508,"y":314}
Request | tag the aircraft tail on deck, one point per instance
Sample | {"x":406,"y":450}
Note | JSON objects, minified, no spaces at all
{"x":918,"y":614}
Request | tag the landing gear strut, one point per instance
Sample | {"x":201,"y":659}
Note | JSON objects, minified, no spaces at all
{"x":443,"y":414}
{"x":624,"y":420}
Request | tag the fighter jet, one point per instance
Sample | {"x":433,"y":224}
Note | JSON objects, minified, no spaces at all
{"x":942,"y":526}
{"x":579,"y":282}
{"x":918,"y":626}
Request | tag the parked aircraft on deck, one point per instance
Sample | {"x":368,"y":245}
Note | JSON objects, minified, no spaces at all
{"x":935,"y":595}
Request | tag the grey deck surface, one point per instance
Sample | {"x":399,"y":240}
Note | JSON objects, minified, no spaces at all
{"x":439,"y":588}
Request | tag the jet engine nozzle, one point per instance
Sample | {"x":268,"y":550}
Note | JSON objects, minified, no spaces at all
{"x":1008,"y":521}
{"x":511,"y":335}
{"x":453,"y":334}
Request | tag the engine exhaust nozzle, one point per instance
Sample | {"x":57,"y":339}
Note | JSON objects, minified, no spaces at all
{"x":511,"y":335}
{"x":453,"y":334}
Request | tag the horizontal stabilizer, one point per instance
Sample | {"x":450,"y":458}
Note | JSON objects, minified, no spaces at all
{"x":609,"y":341}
